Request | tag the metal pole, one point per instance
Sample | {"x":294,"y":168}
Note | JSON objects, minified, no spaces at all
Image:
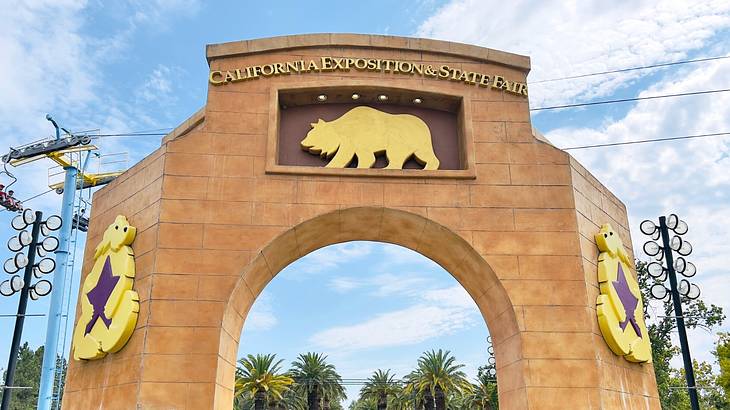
{"x":22,"y":304}
{"x":50,"y":354}
{"x":688,"y":369}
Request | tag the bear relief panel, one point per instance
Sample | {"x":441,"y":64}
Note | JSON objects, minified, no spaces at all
{"x":364,"y":132}
{"x":360,"y":136}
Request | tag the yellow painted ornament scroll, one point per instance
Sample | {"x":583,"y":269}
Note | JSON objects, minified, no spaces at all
{"x":109,"y":305}
{"x":619,"y":306}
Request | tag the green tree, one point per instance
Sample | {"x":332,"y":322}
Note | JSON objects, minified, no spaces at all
{"x":363,"y":403}
{"x":483,"y":395}
{"x":28,"y":374}
{"x":722,"y":354}
{"x":697,"y":315}
{"x":380,"y":387}
{"x":259,"y":378}
{"x":318,"y":380}
{"x":486,"y":385}
{"x":437,"y":375}
{"x":711,"y":396}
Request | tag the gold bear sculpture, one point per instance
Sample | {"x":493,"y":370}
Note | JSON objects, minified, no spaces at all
{"x":364,"y":132}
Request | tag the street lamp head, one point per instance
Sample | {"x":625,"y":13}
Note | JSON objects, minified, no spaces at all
{"x":20,"y":261}
{"x":14,"y":244}
{"x":681,"y":228}
{"x":672,"y":221}
{"x":46,"y":265}
{"x":683,"y":287}
{"x":18,"y":223}
{"x":648,"y":227}
{"x":675,"y":243}
{"x":11,"y":286}
{"x":651,"y":248}
{"x":42,"y":287}
{"x":655,"y":269}
{"x":28,"y":216}
{"x":685,"y":249}
{"x":53,"y":222}
{"x":25,"y":238}
{"x":9,"y":266}
{"x":50,"y":244}
{"x":16,"y":263}
{"x":694,"y":292}
{"x":658,"y":291}
{"x":689,"y":270}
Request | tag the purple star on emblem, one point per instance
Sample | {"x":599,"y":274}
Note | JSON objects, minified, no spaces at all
{"x":100,"y":295}
{"x":628,"y":300}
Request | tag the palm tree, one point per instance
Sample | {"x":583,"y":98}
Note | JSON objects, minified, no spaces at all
{"x":437,"y":375}
{"x":481,"y":395}
{"x":259,"y":378}
{"x":379,"y":387}
{"x":317,"y":379}
{"x":401,"y":400}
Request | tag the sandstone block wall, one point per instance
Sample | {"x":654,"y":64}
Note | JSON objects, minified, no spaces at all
{"x":215,"y":227}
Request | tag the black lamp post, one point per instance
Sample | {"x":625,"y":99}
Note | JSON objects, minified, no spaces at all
{"x":16,"y":283}
{"x":676,"y":290}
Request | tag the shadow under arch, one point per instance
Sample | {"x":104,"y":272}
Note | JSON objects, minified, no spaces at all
{"x":387,"y":225}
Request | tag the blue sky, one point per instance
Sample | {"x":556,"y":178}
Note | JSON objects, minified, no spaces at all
{"x":140,"y":65}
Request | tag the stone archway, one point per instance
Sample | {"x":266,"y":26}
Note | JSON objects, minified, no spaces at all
{"x":380,"y":224}
{"x":511,"y":217}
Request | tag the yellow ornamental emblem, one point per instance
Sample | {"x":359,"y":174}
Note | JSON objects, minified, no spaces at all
{"x":619,"y":306}
{"x":109,"y":306}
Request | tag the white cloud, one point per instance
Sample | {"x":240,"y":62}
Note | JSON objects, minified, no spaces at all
{"x":331,"y":257}
{"x":687,"y":177}
{"x":404,"y":284}
{"x":407,"y":326}
{"x":433,"y":313}
{"x":159,"y":86}
{"x":382,"y":285}
{"x":566,"y":38}
{"x":455,"y":296}
{"x":52,"y":64}
{"x":344,"y":284}
{"x":157,"y":13}
{"x":398,"y":255}
{"x":261,"y":317}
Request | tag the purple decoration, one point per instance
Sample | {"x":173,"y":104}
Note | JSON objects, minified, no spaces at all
{"x":628,"y":300}
{"x":100,"y":295}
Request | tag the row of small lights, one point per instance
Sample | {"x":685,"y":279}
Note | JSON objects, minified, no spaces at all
{"x":356,"y":96}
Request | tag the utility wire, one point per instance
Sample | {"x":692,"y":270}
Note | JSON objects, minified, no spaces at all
{"x":613,"y":144}
{"x":37,"y":195}
{"x":146,"y":134}
{"x":652,"y":97}
{"x":623,"y":70}
{"x":33,"y":197}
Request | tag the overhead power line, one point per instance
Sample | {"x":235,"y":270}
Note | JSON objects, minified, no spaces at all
{"x":37,"y":195}
{"x":130,"y":134}
{"x":31,"y":198}
{"x":613,"y":144}
{"x":623,"y":70}
{"x":622,"y":100}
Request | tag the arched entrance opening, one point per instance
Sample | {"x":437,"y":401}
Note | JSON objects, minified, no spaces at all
{"x":415,"y":232}
{"x":368,"y":306}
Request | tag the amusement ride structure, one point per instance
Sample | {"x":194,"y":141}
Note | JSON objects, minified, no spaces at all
{"x":72,"y":154}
